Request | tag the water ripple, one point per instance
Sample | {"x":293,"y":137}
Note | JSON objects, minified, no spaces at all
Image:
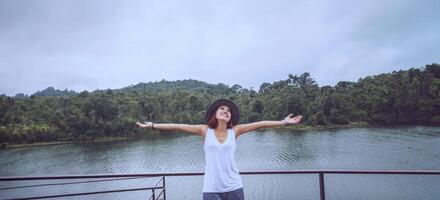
{"x":357,"y":148}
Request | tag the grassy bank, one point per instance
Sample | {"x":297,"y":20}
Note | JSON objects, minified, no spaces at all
{"x":38,"y":144}
{"x":302,"y":127}
{"x":299,"y":127}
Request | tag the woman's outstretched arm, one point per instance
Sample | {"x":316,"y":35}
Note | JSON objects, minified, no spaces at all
{"x":193,"y":129}
{"x":244,"y":128}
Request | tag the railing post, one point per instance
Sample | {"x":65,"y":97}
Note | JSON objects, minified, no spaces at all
{"x":321,"y":186}
{"x":164,"y":195}
{"x":154,"y":197}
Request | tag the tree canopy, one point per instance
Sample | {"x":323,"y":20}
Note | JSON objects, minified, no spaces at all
{"x":406,"y":96}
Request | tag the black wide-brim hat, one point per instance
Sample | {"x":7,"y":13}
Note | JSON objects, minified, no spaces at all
{"x":235,"y":112}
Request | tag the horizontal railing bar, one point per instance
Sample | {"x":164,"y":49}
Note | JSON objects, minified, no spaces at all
{"x":18,"y":178}
{"x":86,"y":193}
{"x":409,"y":172}
{"x":69,"y":183}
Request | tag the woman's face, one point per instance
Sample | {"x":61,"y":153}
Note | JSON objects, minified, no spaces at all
{"x":223,"y":114}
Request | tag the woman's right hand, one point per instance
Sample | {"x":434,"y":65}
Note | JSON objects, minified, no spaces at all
{"x":147,"y":125}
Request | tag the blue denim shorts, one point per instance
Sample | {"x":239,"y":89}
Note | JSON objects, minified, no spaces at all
{"x":237,"y":194}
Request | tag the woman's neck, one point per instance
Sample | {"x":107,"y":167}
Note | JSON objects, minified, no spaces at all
{"x":221,"y":126}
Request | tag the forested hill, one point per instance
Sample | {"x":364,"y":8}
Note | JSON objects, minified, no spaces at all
{"x":163,"y":85}
{"x":153,"y":87}
{"x":406,"y":96}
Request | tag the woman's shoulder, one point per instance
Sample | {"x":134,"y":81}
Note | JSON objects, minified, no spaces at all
{"x":234,"y":128}
{"x":204,"y":129}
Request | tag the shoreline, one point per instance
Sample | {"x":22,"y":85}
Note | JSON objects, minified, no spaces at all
{"x":300,"y":128}
{"x":36,"y":144}
{"x":40,"y":144}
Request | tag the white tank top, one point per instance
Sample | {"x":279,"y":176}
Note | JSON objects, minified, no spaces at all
{"x":221,"y":174}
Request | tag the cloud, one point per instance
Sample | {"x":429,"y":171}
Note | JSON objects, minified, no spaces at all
{"x":86,"y":45}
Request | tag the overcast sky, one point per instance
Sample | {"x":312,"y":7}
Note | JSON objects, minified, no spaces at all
{"x":90,"y":44}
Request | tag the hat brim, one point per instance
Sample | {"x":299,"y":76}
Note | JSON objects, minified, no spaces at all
{"x":235,"y":112}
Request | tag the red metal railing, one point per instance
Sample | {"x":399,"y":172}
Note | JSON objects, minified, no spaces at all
{"x":320,"y":173}
{"x":153,"y":189}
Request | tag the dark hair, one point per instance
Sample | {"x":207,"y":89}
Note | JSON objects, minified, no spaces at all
{"x":213,"y":122}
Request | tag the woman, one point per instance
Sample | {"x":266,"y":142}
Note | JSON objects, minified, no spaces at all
{"x":222,"y":179}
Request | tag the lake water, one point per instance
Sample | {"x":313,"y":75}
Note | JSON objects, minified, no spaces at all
{"x":400,"y":148}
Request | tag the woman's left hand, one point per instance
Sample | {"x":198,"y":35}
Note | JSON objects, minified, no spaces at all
{"x":292,"y":120}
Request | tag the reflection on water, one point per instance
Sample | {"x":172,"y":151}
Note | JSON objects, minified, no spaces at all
{"x":354,"y":148}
